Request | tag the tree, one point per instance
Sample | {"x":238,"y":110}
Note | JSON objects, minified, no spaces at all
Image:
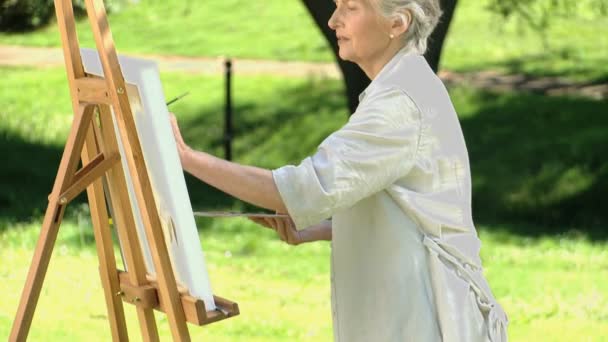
{"x":539,"y":15}
{"x":355,"y":79}
{"x":437,"y":38}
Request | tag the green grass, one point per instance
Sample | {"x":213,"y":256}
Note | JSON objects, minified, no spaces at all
{"x":535,"y":160}
{"x":538,"y":173}
{"x":553,"y":288}
{"x":479,"y":39}
{"x":280,"y":30}
{"x":283,"y":293}
{"x":39,"y":129}
{"x":269,"y":29}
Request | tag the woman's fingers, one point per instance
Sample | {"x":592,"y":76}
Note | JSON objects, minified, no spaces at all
{"x":278,"y":227}
{"x":282,"y":229}
{"x":176,"y":132}
{"x":288,"y":231}
{"x":283,"y":226}
{"x":260,"y":221}
{"x":174,"y":126}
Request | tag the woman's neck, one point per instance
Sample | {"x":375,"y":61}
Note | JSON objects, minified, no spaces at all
{"x":373,"y":67}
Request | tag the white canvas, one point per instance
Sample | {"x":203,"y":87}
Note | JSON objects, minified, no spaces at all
{"x":162,"y":162}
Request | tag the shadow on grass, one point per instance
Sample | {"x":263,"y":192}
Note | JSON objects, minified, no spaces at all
{"x":537,"y":162}
{"x":25,"y":177}
{"x":547,"y":64}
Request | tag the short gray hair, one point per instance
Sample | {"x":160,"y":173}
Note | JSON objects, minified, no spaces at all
{"x":425,"y":16}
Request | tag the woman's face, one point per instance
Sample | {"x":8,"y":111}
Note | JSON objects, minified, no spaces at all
{"x":363,"y":34}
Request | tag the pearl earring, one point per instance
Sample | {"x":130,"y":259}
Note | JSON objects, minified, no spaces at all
{"x":392,"y":36}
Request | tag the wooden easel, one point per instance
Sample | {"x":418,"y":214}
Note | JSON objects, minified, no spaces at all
{"x":92,"y":139}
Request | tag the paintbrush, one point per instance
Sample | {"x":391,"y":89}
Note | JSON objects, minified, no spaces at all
{"x":177,"y":98}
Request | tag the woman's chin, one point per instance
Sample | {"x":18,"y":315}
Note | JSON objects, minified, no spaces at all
{"x":344,"y":55}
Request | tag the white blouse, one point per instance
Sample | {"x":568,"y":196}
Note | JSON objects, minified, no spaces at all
{"x":395,"y":180}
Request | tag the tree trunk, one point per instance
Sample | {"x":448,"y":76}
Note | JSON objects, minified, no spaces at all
{"x":437,"y":38}
{"x":355,"y":79}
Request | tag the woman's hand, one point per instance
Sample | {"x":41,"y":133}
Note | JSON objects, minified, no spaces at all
{"x":284,"y":227}
{"x":182,"y":148}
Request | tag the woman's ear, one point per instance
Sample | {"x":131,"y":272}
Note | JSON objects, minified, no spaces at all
{"x":401,"y":23}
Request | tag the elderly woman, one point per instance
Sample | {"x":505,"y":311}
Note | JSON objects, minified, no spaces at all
{"x":394,"y":180}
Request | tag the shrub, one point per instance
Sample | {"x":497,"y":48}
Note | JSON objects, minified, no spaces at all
{"x":26,"y":15}
{"x":22,"y":15}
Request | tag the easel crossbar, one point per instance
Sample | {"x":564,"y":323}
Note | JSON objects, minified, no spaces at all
{"x":95,"y":169}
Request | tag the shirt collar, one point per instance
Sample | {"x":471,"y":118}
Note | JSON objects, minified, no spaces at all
{"x":386,"y":69}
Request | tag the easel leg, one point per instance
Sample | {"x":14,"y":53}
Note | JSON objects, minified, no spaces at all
{"x":103,"y":240}
{"x":50,"y":226}
{"x":125,"y":223}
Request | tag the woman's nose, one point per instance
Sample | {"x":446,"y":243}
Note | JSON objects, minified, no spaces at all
{"x":332,"y":23}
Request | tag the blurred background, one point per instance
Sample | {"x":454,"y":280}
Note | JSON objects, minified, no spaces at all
{"x":529,"y":79}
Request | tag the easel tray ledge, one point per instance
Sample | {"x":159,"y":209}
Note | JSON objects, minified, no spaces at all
{"x":194,"y":308}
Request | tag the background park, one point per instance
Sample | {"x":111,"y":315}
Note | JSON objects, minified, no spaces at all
{"x":528,"y":78}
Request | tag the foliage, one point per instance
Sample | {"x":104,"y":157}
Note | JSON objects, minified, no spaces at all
{"x":25,"y":15}
{"x":541,"y":14}
{"x":18,"y":15}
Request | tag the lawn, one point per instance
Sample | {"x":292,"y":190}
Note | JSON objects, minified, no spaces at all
{"x":280,"y":30}
{"x":544,"y":243}
{"x":281,"y":120}
{"x":553,"y":288}
{"x":538,"y":165}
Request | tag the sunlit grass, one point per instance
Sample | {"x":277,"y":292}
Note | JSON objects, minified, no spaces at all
{"x":280,"y":30}
{"x":550,"y":276}
{"x":283,"y":292}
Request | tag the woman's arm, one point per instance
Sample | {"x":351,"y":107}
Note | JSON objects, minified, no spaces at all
{"x":250,"y":184}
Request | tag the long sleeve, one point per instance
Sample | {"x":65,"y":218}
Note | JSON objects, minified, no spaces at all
{"x":376,"y":147}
